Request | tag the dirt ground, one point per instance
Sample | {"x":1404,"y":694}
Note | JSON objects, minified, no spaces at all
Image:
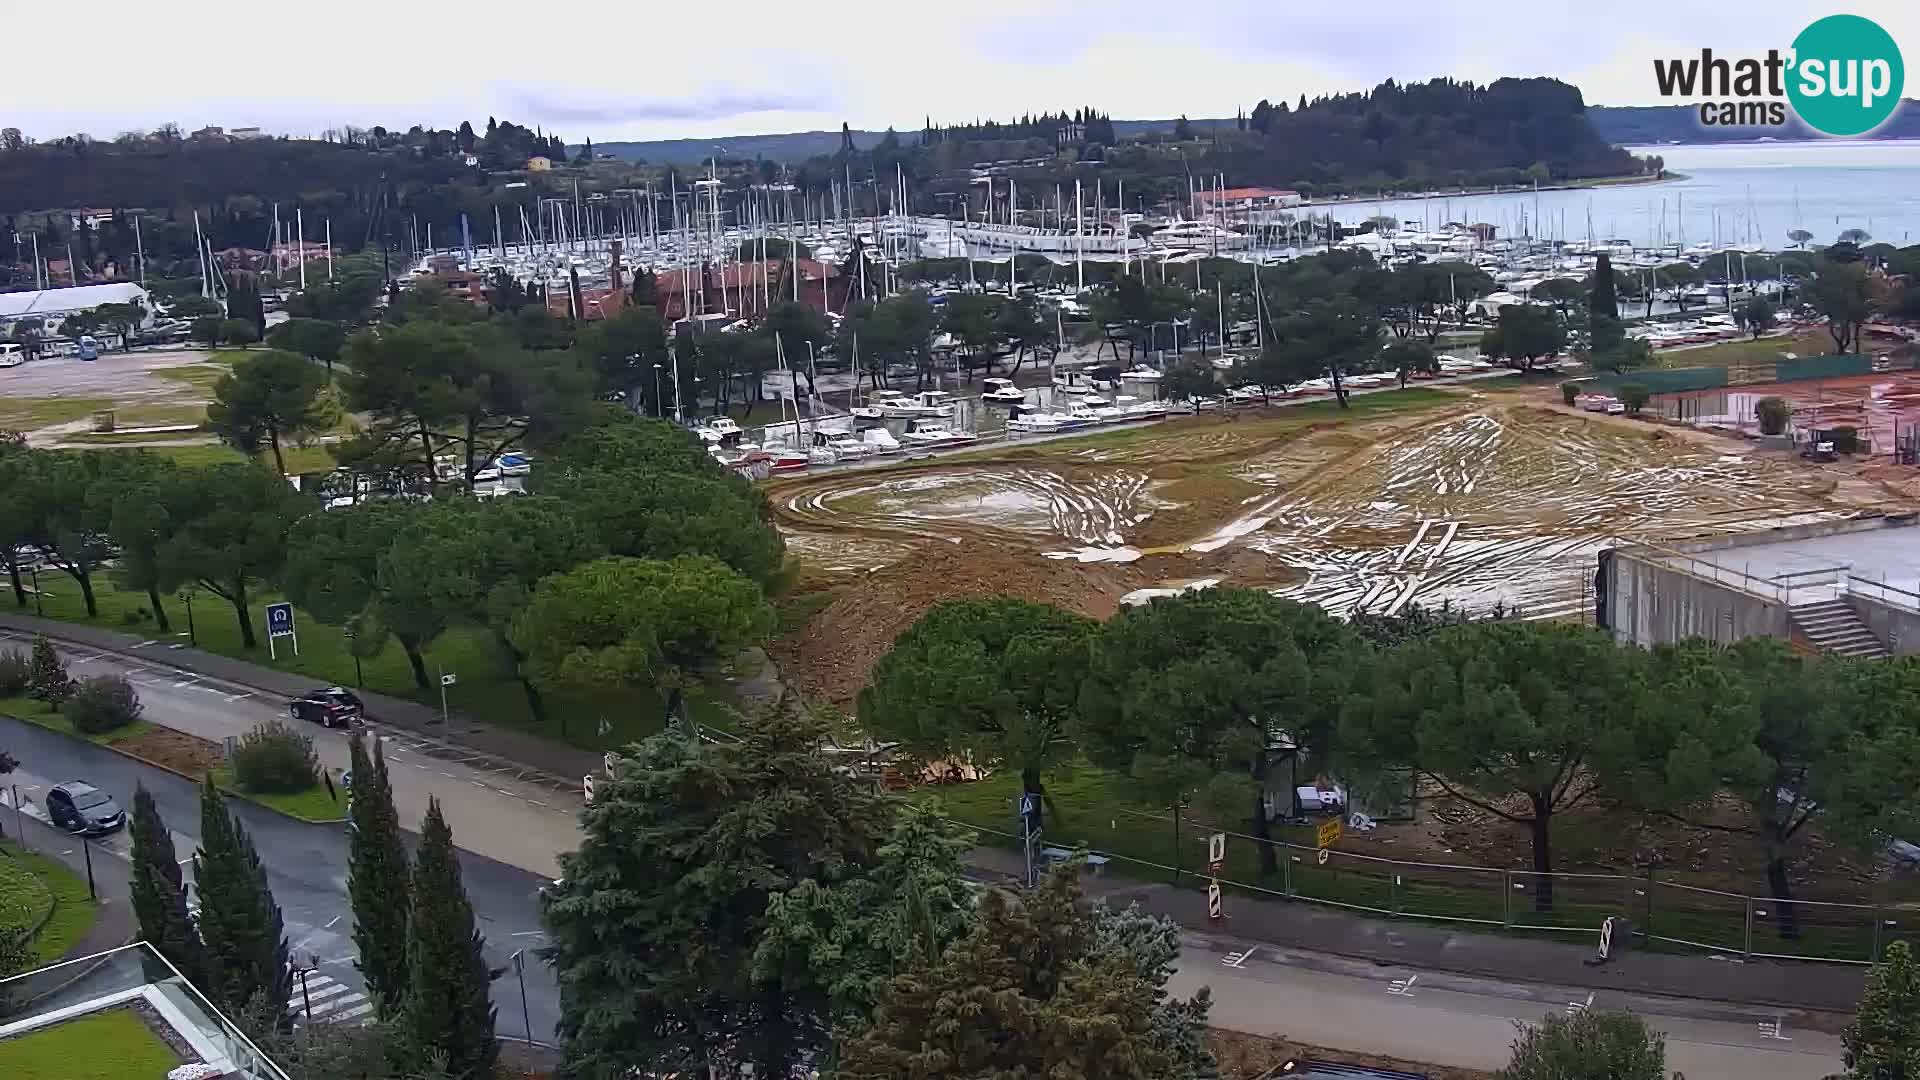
{"x":1500,"y":497}
{"x":1247,"y":1057}
{"x":175,"y":750}
{"x":144,"y":387}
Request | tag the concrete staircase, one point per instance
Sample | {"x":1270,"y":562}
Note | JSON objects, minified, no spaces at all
{"x":1835,"y":628}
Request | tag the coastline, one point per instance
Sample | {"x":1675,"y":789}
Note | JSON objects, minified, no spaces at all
{"x":1668,"y":176}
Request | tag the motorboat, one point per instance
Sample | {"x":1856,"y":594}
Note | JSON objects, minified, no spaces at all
{"x":717,"y":429}
{"x":844,"y":445}
{"x":787,"y":461}
{"x":881,"y":441}
{"x":1141,"y":373}
{"x":1073,"y":382}
{"x":1037,"y":423}
{"x":924,"y":403}
{"x":877,"y":404}
{"x":1002,"y":391}
{"x":934,"y":433}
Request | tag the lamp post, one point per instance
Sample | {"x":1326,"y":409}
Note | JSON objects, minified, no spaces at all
{"x":33,"y":569}
{"x":193,"y":638}
{"x":656,"y":392}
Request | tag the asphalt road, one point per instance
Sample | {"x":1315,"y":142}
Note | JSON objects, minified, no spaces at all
{"x":307,"y":870}
{"x":518,"y":823}
{"x":1469,"y":1022}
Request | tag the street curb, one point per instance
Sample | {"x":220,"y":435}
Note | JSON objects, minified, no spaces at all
{"x":561,"y":782}
{"x":196,"y":780}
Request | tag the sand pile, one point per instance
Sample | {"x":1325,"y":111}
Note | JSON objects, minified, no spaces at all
{"x":830,"y":658}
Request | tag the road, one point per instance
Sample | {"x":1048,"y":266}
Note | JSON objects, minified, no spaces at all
{"x":1471,"y":1023}
{"x":307,"y":870}
{"x":516,"y":822}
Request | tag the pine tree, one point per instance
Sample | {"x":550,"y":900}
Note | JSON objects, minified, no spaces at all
{"x":377,"y":880}
{"x":47,"y":678}
{"x":159,"y":891}
{"x":246,"y":951}
{"x":1883,"y":1042}
{"x":448,"y":1008}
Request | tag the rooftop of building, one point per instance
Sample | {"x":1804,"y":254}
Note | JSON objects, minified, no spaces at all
{"x":1884,"y":550}
{"x":15,"y":305}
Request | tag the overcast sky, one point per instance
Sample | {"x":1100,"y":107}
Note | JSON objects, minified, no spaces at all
{"x":652,"y":69}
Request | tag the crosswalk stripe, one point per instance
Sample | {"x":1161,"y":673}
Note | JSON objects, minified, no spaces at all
{"x":314,"y":993}
{"x":359,"y":1010}
{"x":321,"y":1008}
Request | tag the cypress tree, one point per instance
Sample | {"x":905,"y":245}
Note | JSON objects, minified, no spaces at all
{"x":159,"y":891}
{"x":1601,"y":298}
{"x":246,"y":951}
{"x":448,"y":1009}
{"x":1884,"y":1038}
{"x":377,"y":881}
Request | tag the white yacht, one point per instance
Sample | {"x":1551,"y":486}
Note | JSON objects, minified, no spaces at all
{"x":881,"y":441}
{"x":1141,"y":373}
{"x":934,"y":433}
{"x":845,"y":446}
{"x":924,"y":403}
{"x":1002,"y":391}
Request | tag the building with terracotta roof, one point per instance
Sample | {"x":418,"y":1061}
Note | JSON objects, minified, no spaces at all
{"x":1248,"y":198}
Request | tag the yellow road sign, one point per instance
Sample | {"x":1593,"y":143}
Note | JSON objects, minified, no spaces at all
{"x":1329,"y":833}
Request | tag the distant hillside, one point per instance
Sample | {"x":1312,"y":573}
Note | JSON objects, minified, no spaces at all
{"x":1649,"y":124}
{"x":797,"y":146}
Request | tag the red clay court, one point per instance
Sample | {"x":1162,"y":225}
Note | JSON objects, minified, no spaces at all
{"x":1882,"y":407}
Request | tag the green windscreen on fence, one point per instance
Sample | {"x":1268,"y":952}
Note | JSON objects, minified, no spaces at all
{"x":1664,"y":380}
{"x":1823,"y":367}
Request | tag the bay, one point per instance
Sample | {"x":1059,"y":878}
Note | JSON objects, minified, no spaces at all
{"x":1733,"y":193}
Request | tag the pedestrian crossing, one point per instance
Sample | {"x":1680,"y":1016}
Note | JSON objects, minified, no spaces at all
{"x":331,"y":1001}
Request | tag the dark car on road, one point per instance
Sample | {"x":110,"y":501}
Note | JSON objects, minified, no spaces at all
{"x":78,"y":806}
{"x":332,"y":706}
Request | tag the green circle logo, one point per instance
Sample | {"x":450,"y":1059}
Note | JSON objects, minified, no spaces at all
{"x":1846,"y":77}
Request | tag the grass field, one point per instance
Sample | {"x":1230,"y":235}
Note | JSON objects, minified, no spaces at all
{"x":73,"y":909}
{"x":1099,"y":810}
{"x":25,"y":414}
{"x":312,"y":804}
{"x":112,"y":1045}
{"x":485,"y":689}
{"x":1747,"y":351}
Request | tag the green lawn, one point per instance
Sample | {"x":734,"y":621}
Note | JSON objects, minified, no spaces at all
{"x":73,"y":909}
{"x":38,"y":712}
{"x":312,"y":804}
{"x":1358,"y":406}
{"x":1102,"y":811}
{"x":485,"y":689}
{"x":112,"y":1045}
{"x":1747,"y":351}
{"x":24,"y":898}
{"x":25,"y":414}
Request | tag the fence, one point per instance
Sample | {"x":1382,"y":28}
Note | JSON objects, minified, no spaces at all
{"x":1792,"y":369}
{"x":1664,"y":913}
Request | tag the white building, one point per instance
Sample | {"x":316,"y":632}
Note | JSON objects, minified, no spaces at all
{"x":54,"y":305}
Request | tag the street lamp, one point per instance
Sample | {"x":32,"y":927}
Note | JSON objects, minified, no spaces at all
{"x":33,"y":569}
{"x":301,"y":971}
{"x":193,"y":638}
{"x":656,"y":392}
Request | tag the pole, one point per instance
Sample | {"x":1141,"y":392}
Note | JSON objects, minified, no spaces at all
{"x":300,"y":241}
{"x":443,"y":698}
{"x":520,"y":972}
{"x":305,"y":997}
{"x":1176,"y":843}
{"x":34,"y":572}
{"x":86,"y":852}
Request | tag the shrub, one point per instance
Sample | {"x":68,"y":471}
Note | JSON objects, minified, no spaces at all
{"x":1634,"y":396}
{"x":1569,"y":392}
{"x":274,"y":759}
{"x":206,"y":329}
{"x":103,"y":703}
{"x":239,"y":332}
{"x":1591,"y":1045}
{"x":47,"y":674}
{"x":1773,"y":414}
{"x":15,"y":673}
{"x":1845,"y":439}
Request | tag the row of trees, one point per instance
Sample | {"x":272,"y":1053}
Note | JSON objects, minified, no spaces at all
{"x":421,"y":954}
{"x":745,"y":906}
{"x":1525,"y":720}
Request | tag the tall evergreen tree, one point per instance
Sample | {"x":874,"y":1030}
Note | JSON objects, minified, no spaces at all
{"x":1883,"y":1042}
{"x":246,"y":949}
{"x":1602,"y":298}
{"x":448,"y":1009}
{"x":159,"y":892}
{"x":377,"y":880}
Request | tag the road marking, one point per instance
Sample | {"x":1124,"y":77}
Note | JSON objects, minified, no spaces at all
{"x":359,"y":1010}
{"x":1239,"y":959}
{"x":1402,"y":987}
{"x":1774,"y":1029}
{"x":186,"y":682}
{"x":507,"y":793}
{"x":238,"y":696}
{"x":332,"y":921}
{"x":143,"y":644}
{"x":1575,"y":1008}
{"x":530,"y":933}
{"x":211,"y":690}
{"x":448,"y":775}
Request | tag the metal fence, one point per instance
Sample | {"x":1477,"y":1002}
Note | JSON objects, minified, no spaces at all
{"x":1663,"y":913}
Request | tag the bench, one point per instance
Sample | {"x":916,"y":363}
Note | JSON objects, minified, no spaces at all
{"x":1096,"y":863}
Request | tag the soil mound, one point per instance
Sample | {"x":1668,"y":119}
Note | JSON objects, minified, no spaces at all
{"x":830,"y":658}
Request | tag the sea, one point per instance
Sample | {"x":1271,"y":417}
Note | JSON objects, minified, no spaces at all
{"x":1731,"y":194}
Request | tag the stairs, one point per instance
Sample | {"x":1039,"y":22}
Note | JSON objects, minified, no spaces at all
{"x":1833,"y":627}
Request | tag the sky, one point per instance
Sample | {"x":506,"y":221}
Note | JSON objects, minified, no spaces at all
{"x":657,"y":71}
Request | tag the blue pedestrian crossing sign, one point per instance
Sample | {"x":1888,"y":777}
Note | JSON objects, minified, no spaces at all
{"x":1026,"y":805}
{"x":280,"y":625}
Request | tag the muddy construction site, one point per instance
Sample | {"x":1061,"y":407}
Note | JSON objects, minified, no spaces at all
{"x":1474,"y":498}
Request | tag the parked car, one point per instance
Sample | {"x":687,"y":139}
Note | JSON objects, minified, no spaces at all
{"x":332,"y":706}
{"x":78,"y":806}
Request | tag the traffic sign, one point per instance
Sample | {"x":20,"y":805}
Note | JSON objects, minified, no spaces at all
{"x":1026,"y":804}
{"x":586,"y":788}
{"x":280,"y":625}
{"x":1213,"y":900}
{"x":447,"y":679}
{"x":1322,"y":856}
{"x":609,"y":760}
{"x":1217,"y":852}
{"x":1329,"y":833}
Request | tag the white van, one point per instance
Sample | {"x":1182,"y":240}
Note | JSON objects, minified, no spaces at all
{"x":12,"y":354}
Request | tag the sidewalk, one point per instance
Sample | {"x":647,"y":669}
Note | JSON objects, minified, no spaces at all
{"x":1436,"y":946}
{"x":561,"y":764}
{"x":114,"y":923}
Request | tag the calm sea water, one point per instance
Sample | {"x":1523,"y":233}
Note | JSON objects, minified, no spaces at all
{"x":1732,"y":194}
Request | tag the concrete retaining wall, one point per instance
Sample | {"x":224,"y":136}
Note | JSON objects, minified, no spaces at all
{"x":1898,"y":630}
{"x":1649,"y":603}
